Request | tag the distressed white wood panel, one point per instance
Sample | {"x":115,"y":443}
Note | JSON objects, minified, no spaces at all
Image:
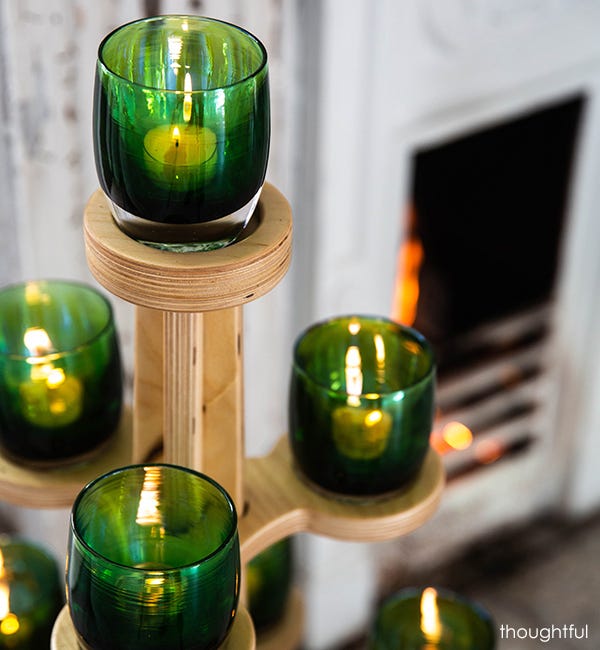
{"x":9,"y":253}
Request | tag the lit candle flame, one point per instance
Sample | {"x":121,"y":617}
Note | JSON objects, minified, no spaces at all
{"x":148,"y":513}
{"x":430,"y":616}
{"x":354,"y":375}
{"x":380,"y":357}
{"x":187,"y":97}
{"x":4,"y":591}
{"x":37,"y":341}
{"x":9,"y":622}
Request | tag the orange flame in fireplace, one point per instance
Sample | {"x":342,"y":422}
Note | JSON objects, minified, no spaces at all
{"x":410,"y":258}
{"x":453,"y":436}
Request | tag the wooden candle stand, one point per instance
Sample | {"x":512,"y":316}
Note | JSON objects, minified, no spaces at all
{"x":188,"y":396}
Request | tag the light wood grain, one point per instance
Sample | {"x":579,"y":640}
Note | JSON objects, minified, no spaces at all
{"x":240,"y":637}
{"x":148,"y":382}
{"x":222,"y":404}
{"x":192,"y":282}
{"x":183,"y":388}
{"x":58,"y":487}
{"x":281,"y":503}
{"x":203,"y":399}
{"x":288,"y":633}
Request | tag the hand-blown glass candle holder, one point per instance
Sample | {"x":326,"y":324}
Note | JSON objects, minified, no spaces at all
{"x":428,"y":619}
{"x":181,"y":129}
{"x":153,"y":561}
{"x":269,"y":580}
{"x":31,"y":595}
{"x":361,"y":404}
{"x":60,"y":371}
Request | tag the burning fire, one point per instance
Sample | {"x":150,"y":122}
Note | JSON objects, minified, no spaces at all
{"x":410,"y":258}
{"x":453,"y":436}
{"x":489,"y":451}
{"x":430,"y":616}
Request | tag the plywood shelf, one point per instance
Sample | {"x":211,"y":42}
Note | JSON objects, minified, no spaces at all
{"x":240,"y":637}
{"x":191,"y":282}
{"x":279,"y":503}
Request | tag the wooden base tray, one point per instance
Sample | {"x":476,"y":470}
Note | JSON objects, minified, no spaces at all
{"x":280,"y":503}
{"x":241,"y":636}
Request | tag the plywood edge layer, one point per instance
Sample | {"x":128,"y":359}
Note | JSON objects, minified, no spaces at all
{"x":191,"y":282}
{"x":279,"y":503}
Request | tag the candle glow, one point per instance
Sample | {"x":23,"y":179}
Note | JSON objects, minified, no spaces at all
{"x":176,"y":153}
{"x":148,"y":513}
{"x":359,"y":433}
{"x":430,"y":616}
{"x":9,"y":622}
{"x":51,"y":398}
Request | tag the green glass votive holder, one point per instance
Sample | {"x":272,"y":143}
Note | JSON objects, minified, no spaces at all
{"x":31,"y":595}
{"x":60,"y":371}
{"x":182,"y":129}
{"x":269,"y":581}
{"x":430,"y":619}
{"x":361,"y":404}
{"x":153,"y":561}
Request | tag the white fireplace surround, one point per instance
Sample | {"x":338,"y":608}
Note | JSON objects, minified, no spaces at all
{"x":357,"y":87}
{"x":398,"y":76}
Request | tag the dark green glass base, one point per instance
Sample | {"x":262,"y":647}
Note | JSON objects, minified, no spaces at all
{"x":362,"y":494}
{"x":186,"y":238}
{"x":41,"y":446}
{"x":269,"y":581}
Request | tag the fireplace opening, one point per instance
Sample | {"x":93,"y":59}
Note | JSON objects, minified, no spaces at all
{"x":477,"y":272}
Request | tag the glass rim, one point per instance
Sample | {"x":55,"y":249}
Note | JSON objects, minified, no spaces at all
{"x":231,"y":533}
{"x":445,"y":593}
{"x":198,"y":91}
{"x":371,"y":318}
{"x":60,"y":354}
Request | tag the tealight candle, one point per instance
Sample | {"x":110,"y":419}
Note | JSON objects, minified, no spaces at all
{"x":181,"y":129}
{"x":153,"y":561}
{"x":361,"y":404}
{"x":51,"y":398}
{"x":31,"y":595}
{"x":60,"y":371}
{"x":175,"y":154}
{"x":430,"y":619}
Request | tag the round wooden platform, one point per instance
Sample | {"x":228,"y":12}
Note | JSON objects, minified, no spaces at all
{"x":241,"y":635}
{"x":34,"y":487}
{"x":279,"y":503}
{"x":191,"y":282}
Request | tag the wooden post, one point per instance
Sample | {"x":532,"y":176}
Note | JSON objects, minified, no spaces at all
{"x":188,"y":373}
{"x":147,"y":383}
{"x":223,"y":403}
